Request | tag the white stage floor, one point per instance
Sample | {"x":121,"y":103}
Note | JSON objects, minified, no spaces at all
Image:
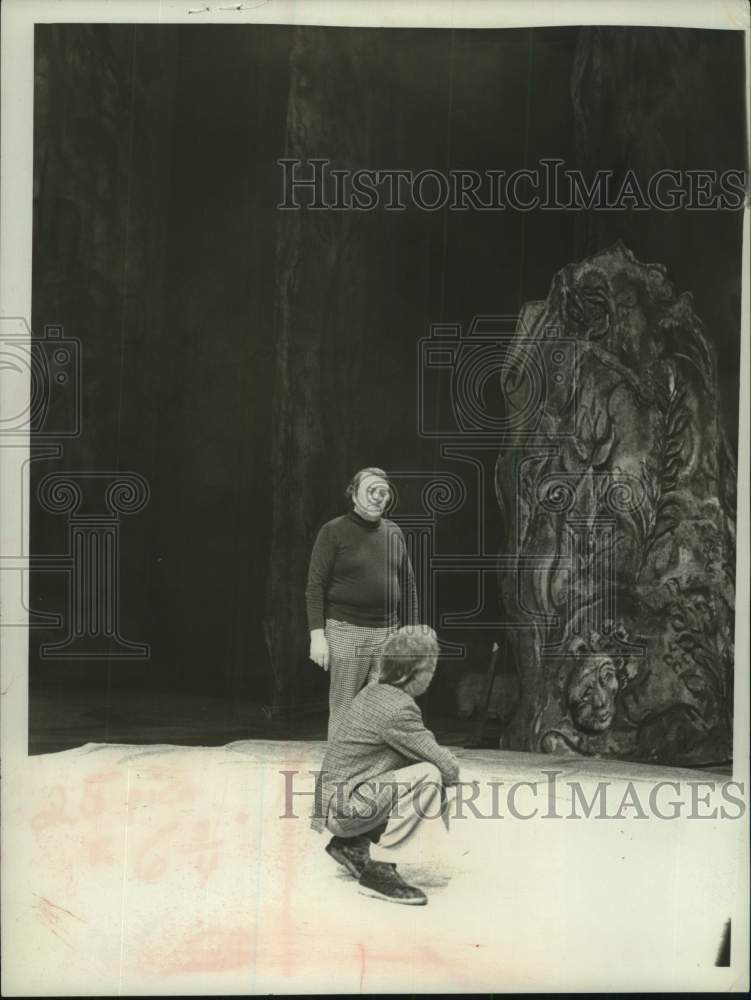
{"x":166,"y":870}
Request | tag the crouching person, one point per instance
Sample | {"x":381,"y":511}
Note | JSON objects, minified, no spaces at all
{"x":382,"y":781}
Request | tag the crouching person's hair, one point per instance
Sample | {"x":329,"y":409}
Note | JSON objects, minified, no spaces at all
{"x":406,"y":653}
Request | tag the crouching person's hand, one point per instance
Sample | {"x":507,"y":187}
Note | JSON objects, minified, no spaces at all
{"x":319,"y":648}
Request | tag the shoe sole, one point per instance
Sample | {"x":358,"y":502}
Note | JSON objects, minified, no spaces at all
{"x":344,"y":861}
{"x":413,"y":901}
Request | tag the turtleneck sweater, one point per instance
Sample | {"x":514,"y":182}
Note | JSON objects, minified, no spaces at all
{"x":360,"y":573}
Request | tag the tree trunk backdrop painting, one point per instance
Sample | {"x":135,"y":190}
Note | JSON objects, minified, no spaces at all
{"x":321,"y":355}
{"x":622,"y":512}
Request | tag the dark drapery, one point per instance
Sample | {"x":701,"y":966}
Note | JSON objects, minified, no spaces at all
{"x":246,"y":361}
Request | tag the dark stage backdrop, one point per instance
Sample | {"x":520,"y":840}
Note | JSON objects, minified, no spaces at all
{"x":245,"y":390}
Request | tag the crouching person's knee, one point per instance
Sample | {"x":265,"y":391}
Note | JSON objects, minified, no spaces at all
{"x":430,"y":774}
{"x":429,"y":797}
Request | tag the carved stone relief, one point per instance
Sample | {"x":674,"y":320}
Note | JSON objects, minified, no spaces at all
{"x":621,"y":507}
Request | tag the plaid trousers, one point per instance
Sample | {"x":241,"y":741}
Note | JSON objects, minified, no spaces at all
{"x":402,"y":801}
{"x":354,"y":654}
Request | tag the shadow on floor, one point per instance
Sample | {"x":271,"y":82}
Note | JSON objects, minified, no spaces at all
{"x":64,"y":721}
{"x":65,"y":718}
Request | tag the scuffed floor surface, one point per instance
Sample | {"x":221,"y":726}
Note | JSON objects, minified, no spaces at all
{"x":166,"y":870}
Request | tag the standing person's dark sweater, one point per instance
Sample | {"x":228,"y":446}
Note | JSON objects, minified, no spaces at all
{"x":355,"y":575}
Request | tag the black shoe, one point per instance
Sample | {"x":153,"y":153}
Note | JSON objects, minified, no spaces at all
{"x":374,"y":835}
{"x":384,"y":882}
{"x":351,"y":852}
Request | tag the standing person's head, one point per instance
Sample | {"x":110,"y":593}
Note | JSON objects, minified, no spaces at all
{"x":408,"y":659}
{"x":370,"y":492}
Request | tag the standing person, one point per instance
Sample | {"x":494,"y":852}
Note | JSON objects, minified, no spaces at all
{"x":384,"y":776}
{"x":354,"y":593}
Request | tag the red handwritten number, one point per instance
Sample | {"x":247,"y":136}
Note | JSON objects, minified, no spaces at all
{"x":153,"y":857}
{"x":149,"y":863}
{"x":208,"y":850}
{"x":55,"y":811}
